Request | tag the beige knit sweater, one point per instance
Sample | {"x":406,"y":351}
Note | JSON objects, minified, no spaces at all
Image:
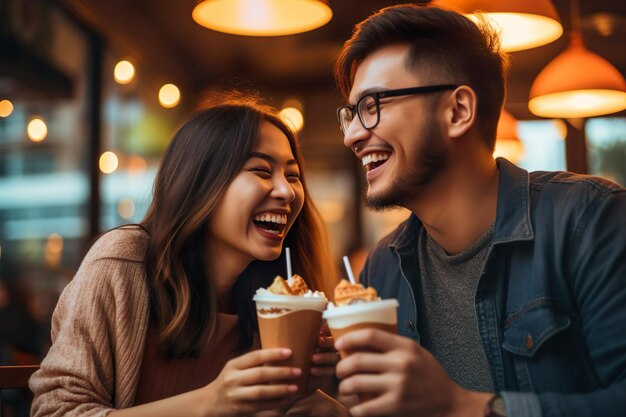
{"x":99,"y":329}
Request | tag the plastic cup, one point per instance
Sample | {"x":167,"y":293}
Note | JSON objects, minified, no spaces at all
{"x":381,"y":314}
{"x":294,"y":322}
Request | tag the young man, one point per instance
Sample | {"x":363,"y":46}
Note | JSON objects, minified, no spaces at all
{"x":512,"y":285}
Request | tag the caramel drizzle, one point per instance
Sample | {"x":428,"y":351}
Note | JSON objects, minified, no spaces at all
{"x":273,"y":310}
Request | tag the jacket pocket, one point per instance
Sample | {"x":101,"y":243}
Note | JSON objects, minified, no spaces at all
{"x":531,"y":327}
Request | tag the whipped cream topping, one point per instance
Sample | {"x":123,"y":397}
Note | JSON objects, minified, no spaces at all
{"x":332,"y":305}
{"x":308,"y":294}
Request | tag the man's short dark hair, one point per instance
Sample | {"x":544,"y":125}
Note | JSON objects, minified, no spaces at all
{"x":446,"y":46}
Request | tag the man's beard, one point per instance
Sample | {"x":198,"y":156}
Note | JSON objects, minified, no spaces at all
{"x":429,"y":160}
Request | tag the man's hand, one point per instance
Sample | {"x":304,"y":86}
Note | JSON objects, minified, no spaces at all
{"x":399,"y":378}
{"x":324,"y":361}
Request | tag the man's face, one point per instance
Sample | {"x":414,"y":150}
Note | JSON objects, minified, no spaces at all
{"x":407,"y":149}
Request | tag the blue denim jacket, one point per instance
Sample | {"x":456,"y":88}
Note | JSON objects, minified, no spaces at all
{"x":551,"y":300}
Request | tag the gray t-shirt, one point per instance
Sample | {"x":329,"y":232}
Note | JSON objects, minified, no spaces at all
{"x":446,"y":313}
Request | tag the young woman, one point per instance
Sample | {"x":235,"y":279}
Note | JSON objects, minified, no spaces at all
{"x":159,"y":317}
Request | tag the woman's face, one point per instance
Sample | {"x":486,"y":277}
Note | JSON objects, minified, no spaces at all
{"x":260,"y":204}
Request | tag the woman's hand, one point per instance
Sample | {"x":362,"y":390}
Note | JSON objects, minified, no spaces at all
{"x":242,"y":387}
{"x":324,"y":361}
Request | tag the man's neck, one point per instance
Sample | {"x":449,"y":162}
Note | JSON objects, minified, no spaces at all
{"x":460,"y":205}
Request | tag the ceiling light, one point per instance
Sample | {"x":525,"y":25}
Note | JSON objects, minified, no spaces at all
{"x":523,"y":24}
{"x":293,"y":117}
{"x":37,"y":129}
{"x":262,"y":17}
{"x":577,"y":83}
{"x":108,"y":162}
{"x":124,"y":72}
{"x":6,"y":108}
{"x":169,"y":96}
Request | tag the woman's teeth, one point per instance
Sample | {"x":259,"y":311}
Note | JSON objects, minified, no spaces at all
{"x":271,"y":222}
{"x":271,"y":217}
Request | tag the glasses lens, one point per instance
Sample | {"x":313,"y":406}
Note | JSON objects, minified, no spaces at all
{"x":368,"y":111}
{"x":345,"y":118}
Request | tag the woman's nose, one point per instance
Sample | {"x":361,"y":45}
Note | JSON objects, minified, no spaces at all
{"x":283,"y":189}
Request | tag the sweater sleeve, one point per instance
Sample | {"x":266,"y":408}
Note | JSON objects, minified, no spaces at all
{"x":98,"y":332}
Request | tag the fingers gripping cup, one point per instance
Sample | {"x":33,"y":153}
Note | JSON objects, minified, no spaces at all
{"x":358,"y":308}
{"x":380,"y":314}
{"x":291,"y":319}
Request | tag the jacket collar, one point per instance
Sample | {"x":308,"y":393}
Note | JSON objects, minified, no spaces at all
{"x":512,"y":214}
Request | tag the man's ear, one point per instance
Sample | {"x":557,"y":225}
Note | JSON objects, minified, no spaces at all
{"x":460,"y":111}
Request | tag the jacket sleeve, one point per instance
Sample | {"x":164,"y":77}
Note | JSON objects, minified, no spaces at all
{"x":98,"y":331}
{"x":597,"y":270}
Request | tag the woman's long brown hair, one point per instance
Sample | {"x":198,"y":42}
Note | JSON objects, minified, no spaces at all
{"x":204,"y":156}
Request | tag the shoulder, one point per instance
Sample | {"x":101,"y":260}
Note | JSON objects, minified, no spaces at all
{"x":573,"y":186}
{"x":113,"y":266}
{"x":575,"y":203}
{"x":125,"y":243}
{"x":567,"y":195}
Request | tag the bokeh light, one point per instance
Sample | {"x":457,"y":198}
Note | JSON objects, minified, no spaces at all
{"x":126,"y":208}
{"x":6,"y":108}
{"x":37,"y":130}
{"x":293,"y":117}
{"x":108,"y":162}
{"x":169,"y":96}
{"x":124,"y":72}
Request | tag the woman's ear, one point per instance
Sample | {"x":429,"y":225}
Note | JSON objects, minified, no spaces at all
{"x":460,"y":111}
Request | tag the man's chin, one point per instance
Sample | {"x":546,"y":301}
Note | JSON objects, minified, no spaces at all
{"x":382,"y":201}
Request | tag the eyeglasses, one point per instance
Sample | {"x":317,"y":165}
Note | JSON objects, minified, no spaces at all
{"x":368,"y":106}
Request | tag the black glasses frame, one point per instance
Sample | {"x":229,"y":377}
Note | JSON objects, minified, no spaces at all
{"x":382,"y":94}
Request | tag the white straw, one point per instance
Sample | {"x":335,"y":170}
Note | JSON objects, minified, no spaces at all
{"x":346,"y":262}
{"x":288,"y":257}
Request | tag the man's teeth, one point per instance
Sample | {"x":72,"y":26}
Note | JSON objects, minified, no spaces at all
{"x":271,"y":217}
{"x":374,"y":157}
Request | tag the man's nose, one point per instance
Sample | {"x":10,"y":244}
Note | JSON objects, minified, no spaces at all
{"x":355,"y":133}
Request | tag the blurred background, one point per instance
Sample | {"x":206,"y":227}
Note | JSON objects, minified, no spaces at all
{"x":92,"y":90}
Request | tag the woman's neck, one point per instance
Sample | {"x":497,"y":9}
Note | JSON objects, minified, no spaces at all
{"x":223,"y":271}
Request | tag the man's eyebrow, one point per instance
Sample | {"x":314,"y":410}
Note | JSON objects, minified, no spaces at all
{"x":269,"y":158}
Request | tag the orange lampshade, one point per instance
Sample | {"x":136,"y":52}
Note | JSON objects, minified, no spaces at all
{"x":262,"y":17}
{"x":577,"y":83}
{"x":508,"y":144}
{"x":523,"y":24}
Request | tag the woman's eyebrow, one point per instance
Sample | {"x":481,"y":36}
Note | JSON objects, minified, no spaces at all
{"x":269,"y":158}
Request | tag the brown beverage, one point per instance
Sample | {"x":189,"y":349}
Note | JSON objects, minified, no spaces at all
{"x":360,"y":308}
{"x":294,"y":322}
{"x":391,"y":328}
{"x":297,"y":330}
{"x":378,"y":314}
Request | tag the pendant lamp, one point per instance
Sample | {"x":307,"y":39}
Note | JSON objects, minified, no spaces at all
{"x":523,"y":24}
{"x":262,"y":17}
{"x":577,"y":83}
{"x":508,"y":144}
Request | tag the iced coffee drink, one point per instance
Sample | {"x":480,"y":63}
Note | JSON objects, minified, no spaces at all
{"x":290,"y":316}
{"x":356,"y":307}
